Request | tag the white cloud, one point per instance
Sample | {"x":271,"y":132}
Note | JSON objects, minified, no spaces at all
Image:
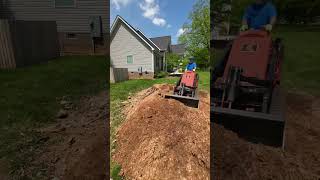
{"x":180,"y":32}
{"x":118,"y":3}
{"x":169,"y":26}
{"x":159,"y":21}
{"x":151,"y":10}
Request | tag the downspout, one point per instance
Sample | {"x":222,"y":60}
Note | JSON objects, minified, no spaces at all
{"x":165,"y":61}
{"x":153,"y":62}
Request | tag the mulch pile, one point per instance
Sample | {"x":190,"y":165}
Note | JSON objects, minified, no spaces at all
{"x":163,"y":138}
{"x":235,"y":158}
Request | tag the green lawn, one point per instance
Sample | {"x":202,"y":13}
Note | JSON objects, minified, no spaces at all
{"x":302,"y":57}
{"x":29,"y":99}
{"x":119,"y":92}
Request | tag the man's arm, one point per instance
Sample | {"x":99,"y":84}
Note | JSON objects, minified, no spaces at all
{"x":244,"y":21}
{"x":194,"y":67}
{"x":273,"y":20}
{"x":245,"y":18}
{"x":272,"y":15}
{"x":186,"y":67}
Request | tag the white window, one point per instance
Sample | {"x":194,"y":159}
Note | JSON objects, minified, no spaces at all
{"x":130,"y":59}
{"x":64,"y":3}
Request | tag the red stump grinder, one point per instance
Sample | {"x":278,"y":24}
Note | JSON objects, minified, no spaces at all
{"x":186,"y":89}
{"x":245,"y":89}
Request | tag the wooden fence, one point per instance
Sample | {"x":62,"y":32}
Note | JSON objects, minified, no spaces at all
{"x":118,"y":74}
{"x":25,"y":43}
{"x":7,"y":59}
{"x":34,"y":41}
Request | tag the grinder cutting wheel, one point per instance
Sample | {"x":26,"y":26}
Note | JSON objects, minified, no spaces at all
{"x":186,"y":89}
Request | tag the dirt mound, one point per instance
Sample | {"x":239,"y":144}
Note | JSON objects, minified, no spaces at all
{"x":164,"y":139}
{"x":76,"y":145}
{"x":235,"y":158}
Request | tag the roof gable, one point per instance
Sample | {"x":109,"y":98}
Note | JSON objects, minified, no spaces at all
{"x":141,"y":36}
{"x":147,"y":39}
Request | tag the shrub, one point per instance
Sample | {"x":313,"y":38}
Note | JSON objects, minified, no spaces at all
{"x":161,"y":74}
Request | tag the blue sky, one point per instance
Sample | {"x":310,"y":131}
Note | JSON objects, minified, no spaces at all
{"x":154,"y":17}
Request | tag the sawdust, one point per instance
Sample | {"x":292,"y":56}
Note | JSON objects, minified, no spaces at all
{"x":235,"y":158}
{"x":164,"y":139}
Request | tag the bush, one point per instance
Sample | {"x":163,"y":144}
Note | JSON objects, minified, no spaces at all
{"x":161,"y":74}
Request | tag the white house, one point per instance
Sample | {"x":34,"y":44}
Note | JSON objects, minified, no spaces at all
{"x":131,"y":49}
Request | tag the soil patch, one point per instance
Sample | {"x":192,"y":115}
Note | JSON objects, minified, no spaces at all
{"x":235,"y":158}
{"x":164,"y":139}
{"x":4,"y":170}
{"x":76,"y":146}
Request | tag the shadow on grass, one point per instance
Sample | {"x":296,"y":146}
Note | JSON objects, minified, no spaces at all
{"x":30,"y":98}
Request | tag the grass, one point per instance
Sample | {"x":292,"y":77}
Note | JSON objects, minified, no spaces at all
{"x":119,"y":92}
{"x":115,"y":172}
{"x":301,"y":62}
{"x":30,"y":96}
{"x":204,"y":81}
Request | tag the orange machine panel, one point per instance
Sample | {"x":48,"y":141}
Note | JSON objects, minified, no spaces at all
{"x":251,"y":51}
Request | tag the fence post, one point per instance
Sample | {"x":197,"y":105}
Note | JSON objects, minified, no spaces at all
{"x":7,"y":59}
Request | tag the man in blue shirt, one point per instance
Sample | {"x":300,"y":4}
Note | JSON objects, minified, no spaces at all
{"x":191,"y":66}
{"x":261,"y":14}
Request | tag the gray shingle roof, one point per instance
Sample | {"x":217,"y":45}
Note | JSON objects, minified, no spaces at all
{"x":162,"y":42}
{"x":147,"y":39}
{"x":178,"y":49}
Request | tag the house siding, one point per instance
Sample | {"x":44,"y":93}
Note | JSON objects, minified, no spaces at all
{"x":124,"y":43}
{"x":71,"y":19}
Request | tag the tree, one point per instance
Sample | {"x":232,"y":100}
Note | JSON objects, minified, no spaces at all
{"x":298,"y":11}
{"x":172,"y":61}
{"x":196,"y":34}
{"x":220,"y":11}
{"x":239,"y":7}
{"x":176,"y":61}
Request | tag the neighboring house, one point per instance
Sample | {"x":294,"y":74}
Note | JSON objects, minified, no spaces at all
{"x":73,"y":18}
{"x":142,"y":56}
{"x":179,"y":49}
{"x":164,"y":43}
{"x":131,"y":49}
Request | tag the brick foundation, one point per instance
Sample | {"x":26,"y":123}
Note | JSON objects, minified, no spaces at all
{"x":137,"y":75}
{"x":81,"y":44}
